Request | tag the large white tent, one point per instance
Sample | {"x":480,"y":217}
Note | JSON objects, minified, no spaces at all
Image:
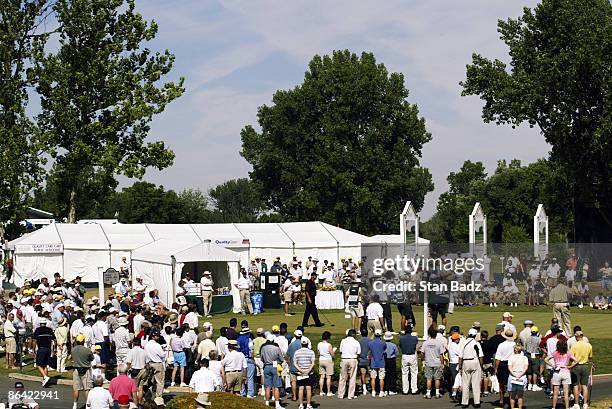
{"x":81,"y":249}
{"x":161,"y":262}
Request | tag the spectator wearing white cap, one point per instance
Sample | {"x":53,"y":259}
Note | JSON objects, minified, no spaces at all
{"x":44,"y":338}
{"x":304,"y":360}
{"x":271,"y":357}
{"x":470,"y":363}
{"x":350,"y":349}
{"x":525,"y":334}
{"x":507,"y":322}
{"x":138,"y":285}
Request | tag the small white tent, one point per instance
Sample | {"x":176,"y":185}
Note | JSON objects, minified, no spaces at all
{"x":161,"y":265}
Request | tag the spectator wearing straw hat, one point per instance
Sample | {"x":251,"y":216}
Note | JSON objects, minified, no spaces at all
{"x":206,"y":283}
{"x":233,"y":368}
{"x":504,"y":351}
{"x":121,"y":339}
{"x":61,"y":340}
{"x":244,"y":287}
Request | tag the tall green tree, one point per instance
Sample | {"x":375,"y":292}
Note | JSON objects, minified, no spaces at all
{"x":343,"y":147}
{"x":99,"y":92}
{"x":559,"y":79}
{"x":20,"y":147}
{"x":236,"y":201}
{"x":457,"y":203}
{"x":145,"y":202}
{"x":509,"y":197}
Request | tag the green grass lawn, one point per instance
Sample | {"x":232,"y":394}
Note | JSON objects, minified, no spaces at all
{"x":597,"y":325}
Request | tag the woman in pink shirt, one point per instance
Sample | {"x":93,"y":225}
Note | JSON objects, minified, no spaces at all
{"x":562,"y":361}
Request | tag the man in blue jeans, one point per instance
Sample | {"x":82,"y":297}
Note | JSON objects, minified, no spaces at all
{"x":245,"y":345}
{"x":377,"y":349}
{"x":272,"y":357}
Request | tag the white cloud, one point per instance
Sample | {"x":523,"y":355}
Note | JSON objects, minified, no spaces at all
{"x":429,"y":41}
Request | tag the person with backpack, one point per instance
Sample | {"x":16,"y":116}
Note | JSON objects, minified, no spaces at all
{"x":470,"y":367}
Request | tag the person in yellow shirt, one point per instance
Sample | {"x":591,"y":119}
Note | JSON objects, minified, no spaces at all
{"x":583,"y":353}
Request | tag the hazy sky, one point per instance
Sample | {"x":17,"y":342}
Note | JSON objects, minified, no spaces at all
{"x":235,"y":54}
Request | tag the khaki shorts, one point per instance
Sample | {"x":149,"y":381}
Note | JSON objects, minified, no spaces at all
{"x":10,"y":345}
{"x":288,"y":296}
{"x":82,"y":382}
{"x":377,"y":373}
{"x":234,"y":381}
{"x":326,"y":367}
{"x":140,"y":377}
{"x":433,"y":372}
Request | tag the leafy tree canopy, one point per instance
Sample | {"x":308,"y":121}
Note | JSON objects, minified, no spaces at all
{"x":559,"y":79}
{"x":509,"y":197}
{"x":236,"y":201}
{"x":99,"y":91}
{"x":342,"y":147}
{"x":20,"y":146}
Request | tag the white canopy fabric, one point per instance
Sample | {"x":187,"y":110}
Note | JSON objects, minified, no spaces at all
{"x":80,"y":249}
{"x":153,"y":262}
{"x":392,"y":238}
{"x":182,"y":232}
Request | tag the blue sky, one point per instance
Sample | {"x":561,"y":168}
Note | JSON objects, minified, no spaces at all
{"x":235,"y":54}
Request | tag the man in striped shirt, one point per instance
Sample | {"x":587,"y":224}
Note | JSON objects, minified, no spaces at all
{"x":304,"y":360}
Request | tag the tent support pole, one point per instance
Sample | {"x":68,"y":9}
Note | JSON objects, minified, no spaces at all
{"x":173,"y":292}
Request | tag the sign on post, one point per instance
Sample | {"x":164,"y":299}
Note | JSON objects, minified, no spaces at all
{"x":110,"y":276}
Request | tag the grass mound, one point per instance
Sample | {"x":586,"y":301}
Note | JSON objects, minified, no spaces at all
{"x":217,"y":399}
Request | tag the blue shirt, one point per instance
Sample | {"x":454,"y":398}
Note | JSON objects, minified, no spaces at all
{"x":391,"y":351}
{"x":294,"y":346}
{"x":377,"y":353}
{"x":365,"y":351}
{"x":408,"y":344}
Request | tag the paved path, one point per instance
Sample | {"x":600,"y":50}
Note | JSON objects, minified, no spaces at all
{"x":601,"y":389}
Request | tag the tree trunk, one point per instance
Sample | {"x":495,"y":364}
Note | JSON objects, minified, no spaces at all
{"x":72,"y":206}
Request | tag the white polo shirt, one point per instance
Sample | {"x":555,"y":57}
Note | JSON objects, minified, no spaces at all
{"x":234,"y":361}
{"x":505,"y":350}
{"x":350,"y":348}
{"x":374,"y":311}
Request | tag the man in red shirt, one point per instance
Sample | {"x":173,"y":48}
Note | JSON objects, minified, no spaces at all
{"x":123,"y":385}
